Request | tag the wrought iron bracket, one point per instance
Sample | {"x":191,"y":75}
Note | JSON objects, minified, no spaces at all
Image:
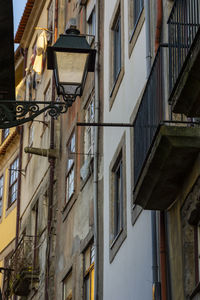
{"x":15,"y":113}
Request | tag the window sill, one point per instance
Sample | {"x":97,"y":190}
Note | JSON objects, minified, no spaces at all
{"x":9,"y":140}
{"x":115,"y":87}
{"x":195,"y":293}
{"x":135,"y":32}
{"x":10,"y":208}
{"x":135,"y":213}
{"x":68,"y":206}
{"x":116,"y":243}
{"x":90,"y":172}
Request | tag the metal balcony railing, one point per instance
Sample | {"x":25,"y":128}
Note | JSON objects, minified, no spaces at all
{"x":150,"y":112}
{"x":24,"y":258}
{"x":183,"y":25}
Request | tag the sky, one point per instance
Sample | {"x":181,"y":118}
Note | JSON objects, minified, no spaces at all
{"x":18,"y":9}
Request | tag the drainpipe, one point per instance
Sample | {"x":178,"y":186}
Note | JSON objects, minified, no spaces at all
{"x":163,"y":256}
{"x":96,"y":137}
{"x":156,"y":283}
{"x":154,"y":227}
{"x":158,"y":25}
{"x":19,"y":186}
{"x":51,"y":177}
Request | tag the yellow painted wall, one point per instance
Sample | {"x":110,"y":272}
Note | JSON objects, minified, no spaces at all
{"x":8,"y":220}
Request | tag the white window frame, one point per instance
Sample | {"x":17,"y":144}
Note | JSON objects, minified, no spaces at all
{"x":70,"y":167}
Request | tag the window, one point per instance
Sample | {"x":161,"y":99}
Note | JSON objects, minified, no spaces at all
{"x":118,"y":228}
{"x":30,"y":139}
{"x":118,"y":198}
{"x":137,"y":10}
{"x":91,"y":26}
{"x":89,"y":131}
{"x":5,"y":133}
{"x":35,"y":233}
{"x":70,"y":167}
{"x":13,"y":181}
{"x":67,"y":287}
{"x":47,"y":98}
{"x":116,"y":50}
{"x":1,"y":195}
{"x":136,"y":20}
{"x":30,"y":135}
{"x":89,"y":273}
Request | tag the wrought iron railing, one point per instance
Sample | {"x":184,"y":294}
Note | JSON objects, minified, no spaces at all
{"x":183,"y":25}
{"x":150,"y":112}
{"x":24,"y":258}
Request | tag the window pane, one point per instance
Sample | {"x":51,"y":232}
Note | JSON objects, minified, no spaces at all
{"x":13,"y":184}
{"x":118,"y":201}
{"x":70,"y":167}
{"x":87,"y":288}
{"x":137,"y":9}
{"x":5,"y":133}
{"x":89,"y":131}
{"x":117,"y":49}
{"x":67,"y":287}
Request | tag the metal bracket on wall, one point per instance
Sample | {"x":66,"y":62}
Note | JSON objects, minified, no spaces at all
{"x":105,"y":124}
{"x":15,"y":113}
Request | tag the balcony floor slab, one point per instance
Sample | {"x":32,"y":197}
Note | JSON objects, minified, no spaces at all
{"x":172,"y":155}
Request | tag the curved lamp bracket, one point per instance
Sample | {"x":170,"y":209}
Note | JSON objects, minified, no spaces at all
{"x":14,"y":113}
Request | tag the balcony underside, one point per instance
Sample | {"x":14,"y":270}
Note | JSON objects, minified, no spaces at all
{"x":186,"y":96}
{"x":171,"y":157}
{"x":21,"y":286}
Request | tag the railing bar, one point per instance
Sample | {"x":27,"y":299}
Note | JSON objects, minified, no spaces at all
{"x":192,"y":3}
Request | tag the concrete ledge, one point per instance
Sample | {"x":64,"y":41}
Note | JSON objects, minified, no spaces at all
{"x":171,"y":158}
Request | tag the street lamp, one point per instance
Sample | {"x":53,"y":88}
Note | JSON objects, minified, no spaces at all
{"x":71,"y":58}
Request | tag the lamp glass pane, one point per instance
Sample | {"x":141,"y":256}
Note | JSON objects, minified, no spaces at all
{"x":71,"y":66}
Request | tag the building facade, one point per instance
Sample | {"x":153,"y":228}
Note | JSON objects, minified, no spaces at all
{"x":103,"y":202}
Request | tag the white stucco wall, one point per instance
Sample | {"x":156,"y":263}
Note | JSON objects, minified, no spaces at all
{"x":129,"y":276}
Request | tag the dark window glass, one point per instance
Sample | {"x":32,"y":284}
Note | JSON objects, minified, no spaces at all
{"x":118,"y":199}
{"x":117,"y":48}
{"x":13,"y":181}
{"x":137,"y":9}
{"x":5,"y":133}
{"x":70,"y":167}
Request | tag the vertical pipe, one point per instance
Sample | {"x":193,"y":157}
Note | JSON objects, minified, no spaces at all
{"x":96,"y":150}
{"x":155,"y":268}
{"x":163,"y":257}
{"x":159,"y":24}
{"x":51,"y":176}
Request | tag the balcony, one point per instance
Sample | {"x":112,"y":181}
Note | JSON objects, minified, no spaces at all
{"x":165,"y":144}
{"x":24,"y":262}
{"x":184,"y":57}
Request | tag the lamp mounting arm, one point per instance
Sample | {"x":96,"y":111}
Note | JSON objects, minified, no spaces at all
{"x":15,"y":113}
